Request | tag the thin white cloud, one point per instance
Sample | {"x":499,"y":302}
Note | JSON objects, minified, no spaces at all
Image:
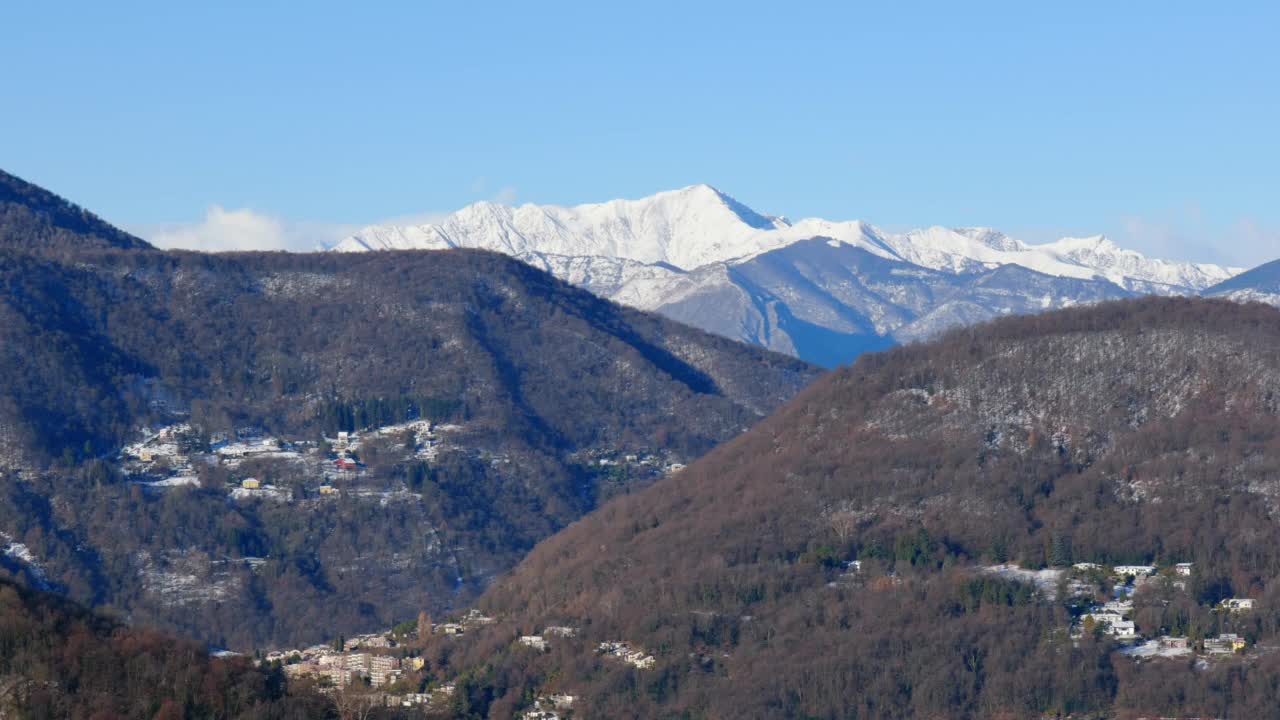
{"x":505,"y":196}
{"x":223,"y":230}
{"x":1261,"y":243}
{"x":1185,"y":234}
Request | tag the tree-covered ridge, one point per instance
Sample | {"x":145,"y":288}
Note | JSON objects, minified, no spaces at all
{"x":542,"y":400}
{"x":58,"y":660}
{"x":539,"y":378}
{"x":1140,"y":432}
{"x":34,"y":219}
{"x":268,"y":339}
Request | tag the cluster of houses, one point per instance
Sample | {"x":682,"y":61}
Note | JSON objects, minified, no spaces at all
{"x":549,"y":707}
{"x":625,"y":652}
{"x":542,"y":642}
{"x":365,"y":658}
{"x":425,"y":441}
{"x":359,"y":658}
{"x":651,"y":463}
{"x":374,"y":658}
{"x":161,"y":450}
{"x":1110,"y":619}
{"x":473,"y":619}
{"x":159,"y":461}
{"x":233,"y":452}
{"x":1113,"y":617}
{"x":1135,"y":571}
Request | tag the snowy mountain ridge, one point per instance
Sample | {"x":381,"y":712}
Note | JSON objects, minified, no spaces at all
{"x":686,"y":228}
{"x":699,"y":225}
{"x":821,"y":290}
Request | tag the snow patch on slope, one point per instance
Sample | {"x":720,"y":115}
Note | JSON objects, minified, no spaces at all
{"x":20,"y":553}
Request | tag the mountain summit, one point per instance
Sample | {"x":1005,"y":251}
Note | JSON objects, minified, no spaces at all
{"x":699,"y":256}
{"x":686,"y":228}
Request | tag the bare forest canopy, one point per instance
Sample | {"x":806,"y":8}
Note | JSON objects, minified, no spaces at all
{"x":533,"y":402}
{"x":878,"y":548}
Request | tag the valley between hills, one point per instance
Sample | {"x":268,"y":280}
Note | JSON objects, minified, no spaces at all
{"x":454,"y":482}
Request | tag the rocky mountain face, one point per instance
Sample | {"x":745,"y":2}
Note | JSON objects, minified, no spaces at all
{"x":170,"y":426}
{"x":900,"y":540}
{"x":823,"y":291}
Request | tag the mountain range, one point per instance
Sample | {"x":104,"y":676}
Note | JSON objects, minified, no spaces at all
{"x":824,"y":291}
{"x":271,"y":449}
{"x":169,"y":423}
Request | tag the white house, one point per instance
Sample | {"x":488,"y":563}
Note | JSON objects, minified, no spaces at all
{"x":534,"y":641}
{"x":1123,"y":629}
{"x":1238,"y":603}
{"x":561,"y":701}
{"x":1224,"y":643}
{"x":1135,"y":570}
{"x":1119,"y":607}
{"x":1109,"y":618}
{"x":1183,"y":568}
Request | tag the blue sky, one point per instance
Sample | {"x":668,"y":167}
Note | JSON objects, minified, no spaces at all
{"x":1152,"y":122}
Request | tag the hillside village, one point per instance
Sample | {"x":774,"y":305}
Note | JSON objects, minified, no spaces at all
{"x":252,"y":465}
{"x":391,"y":671}
{"x":179,"y":455}
{"x":388,"y":669}
{"x":1101,"y":599}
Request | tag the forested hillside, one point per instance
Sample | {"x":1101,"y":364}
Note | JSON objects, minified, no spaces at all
{"x":922,"y":534}
{"x":264,"y":448}
{"x":58,"y":660}
{"x":34,"y":219}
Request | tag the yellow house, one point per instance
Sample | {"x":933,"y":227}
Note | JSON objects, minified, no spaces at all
{"x":250,"y":484}
{"x":417,"y":663}
{"x":328,"y":490}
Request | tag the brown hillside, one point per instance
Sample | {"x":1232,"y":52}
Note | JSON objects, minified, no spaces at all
{"x":1133,"y":432}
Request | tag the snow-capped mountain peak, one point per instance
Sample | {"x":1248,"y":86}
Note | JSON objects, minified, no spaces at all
{"x":992,"y":238}
{"x":698,"y":255}
{"x":818,"y":288}
{"x":686,"y":228}
{"x":698,"y":225}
